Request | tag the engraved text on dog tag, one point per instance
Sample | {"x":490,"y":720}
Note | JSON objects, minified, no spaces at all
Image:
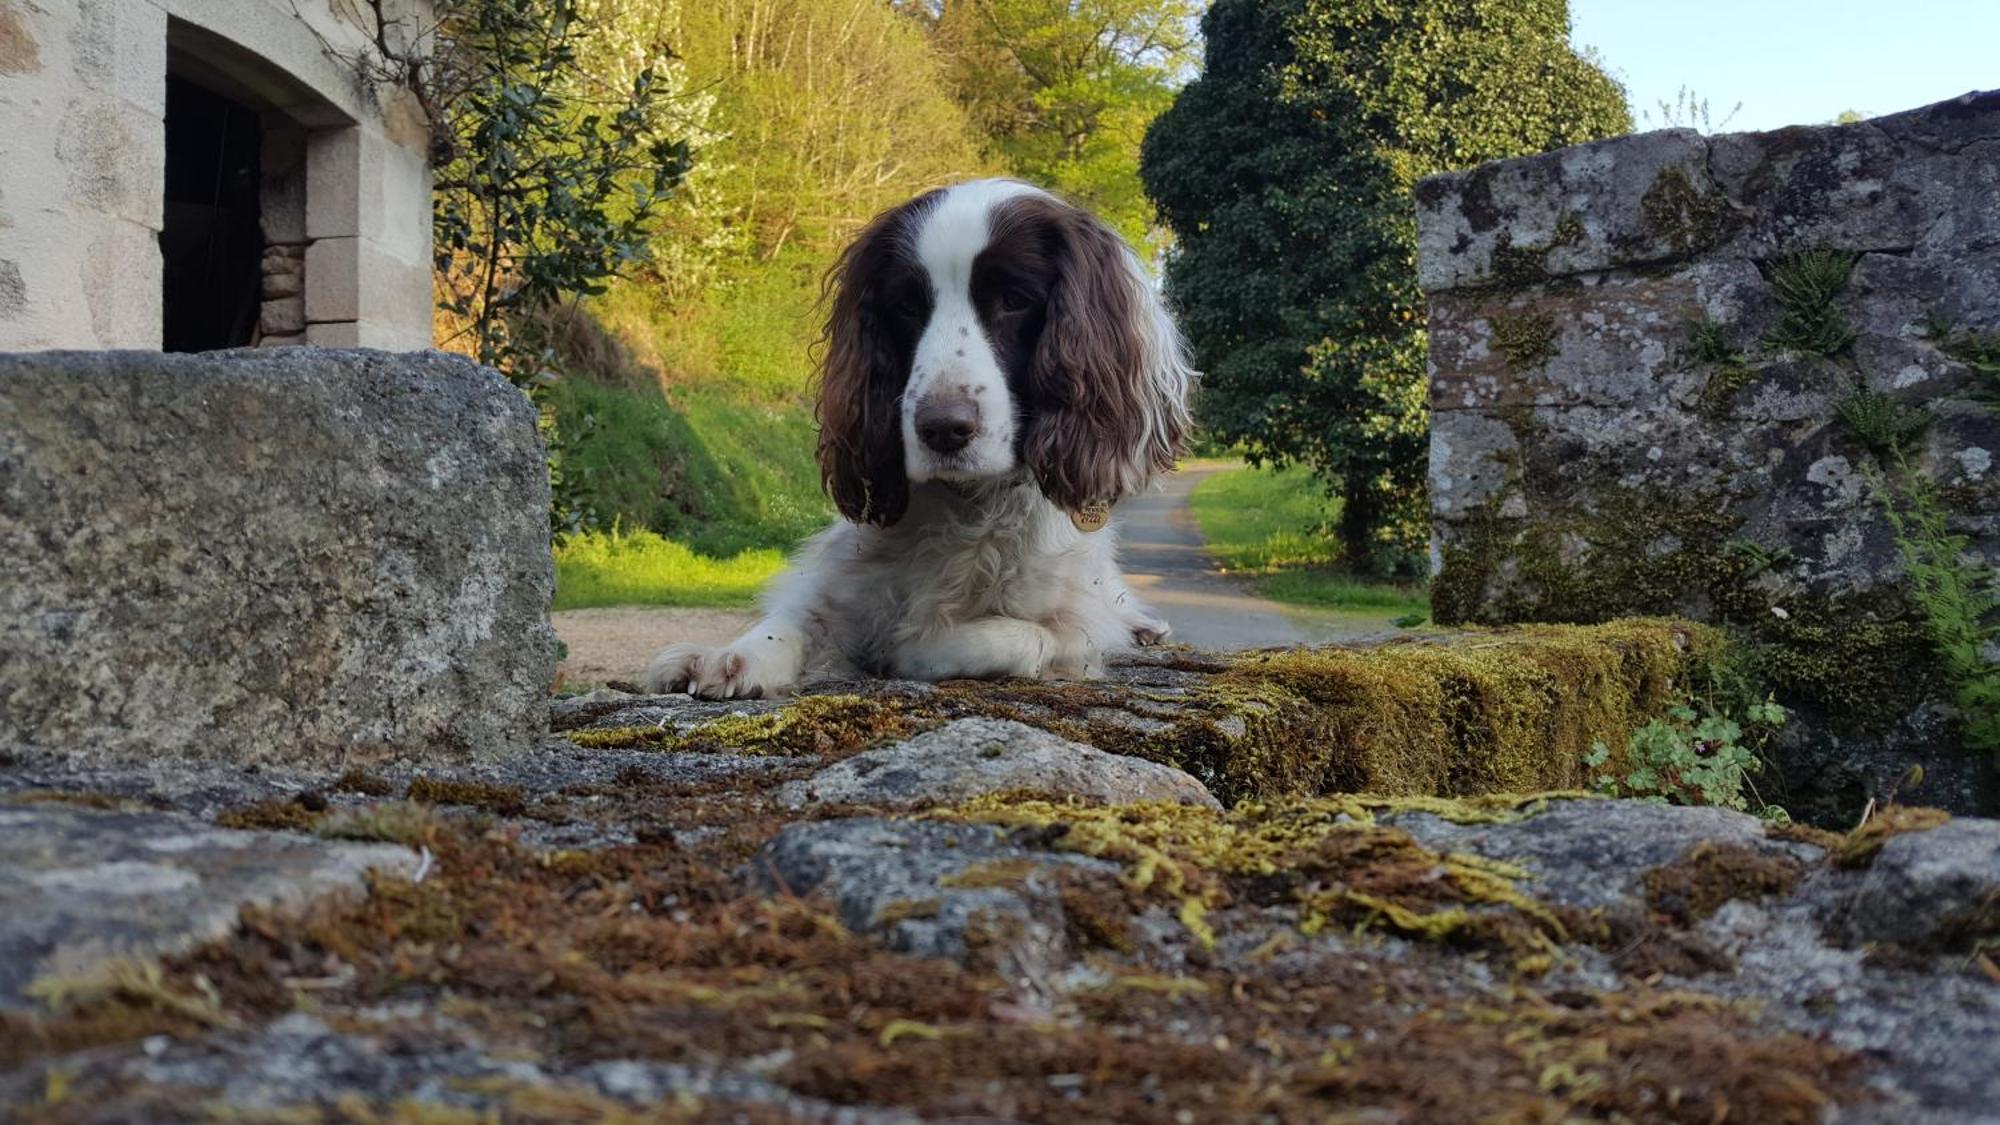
{"x":1092,"y":516}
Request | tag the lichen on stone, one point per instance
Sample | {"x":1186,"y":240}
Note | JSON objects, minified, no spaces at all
{"x":1515,"y":266}
{"x":1526,"y":340}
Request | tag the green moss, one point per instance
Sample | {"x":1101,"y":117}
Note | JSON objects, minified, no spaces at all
{"x":816,"y":725}
{"x":1865,"y":661}
{"x":1860,"y":847}
{"x":1500,"y":711}
{"x":1524,"y":340}
{"x":1675,"y":210}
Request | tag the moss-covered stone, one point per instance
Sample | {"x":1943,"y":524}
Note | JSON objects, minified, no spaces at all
{"x":1525,"y":340}
{"x":1515,"y":266}
{"x":1327,"y":857}
{"x":1687,"y":219}
{"x":1487,"y":711}
{"x":1866,"y":660}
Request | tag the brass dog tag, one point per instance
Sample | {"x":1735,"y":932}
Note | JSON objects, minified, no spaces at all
{"x":1091,"y":517}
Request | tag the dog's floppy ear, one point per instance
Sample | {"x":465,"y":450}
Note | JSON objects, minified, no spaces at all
{"x":1110,"y":377}
{"x":861,"y":377}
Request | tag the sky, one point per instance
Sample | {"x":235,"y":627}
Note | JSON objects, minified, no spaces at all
{"x":1792,"y":62}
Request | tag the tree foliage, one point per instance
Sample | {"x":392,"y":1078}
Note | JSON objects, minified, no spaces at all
{"x":1061,"y":91}
{"x":1285,"y":172}
{"x":549,"y":179}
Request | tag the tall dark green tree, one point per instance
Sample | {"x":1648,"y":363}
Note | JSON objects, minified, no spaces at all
{"x":1285,"y":172}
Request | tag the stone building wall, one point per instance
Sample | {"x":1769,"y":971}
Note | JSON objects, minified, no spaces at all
{"x":346,"y":180}
{"x":1676,"y":373}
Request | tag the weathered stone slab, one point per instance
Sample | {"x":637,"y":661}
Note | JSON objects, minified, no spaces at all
{"x":82,"y":887}
{"x":260,"y":556}
{"x":971,"y":757}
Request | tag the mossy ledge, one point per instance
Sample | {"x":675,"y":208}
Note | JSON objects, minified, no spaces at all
{"x":1483,"y":711}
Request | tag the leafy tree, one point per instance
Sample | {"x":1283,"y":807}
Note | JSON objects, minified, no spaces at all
{"x":1285,"y":172}
{"x":1063,"y":90}
{"x":548,"y":182}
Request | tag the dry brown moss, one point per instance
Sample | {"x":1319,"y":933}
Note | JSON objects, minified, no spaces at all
{"x":1859,"y":847}
{"x":1695,"y":886}
{"x":650,"y":952}
{"x":507,"y":800}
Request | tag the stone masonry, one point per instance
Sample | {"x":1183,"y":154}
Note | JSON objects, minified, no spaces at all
{"x":296,"y":556}
{"x":1677,"y":373}
{"x":345,"y":184}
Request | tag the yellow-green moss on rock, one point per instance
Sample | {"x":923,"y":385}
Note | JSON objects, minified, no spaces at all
{"x":1327,"y":856}
{"x":1451,"y":715}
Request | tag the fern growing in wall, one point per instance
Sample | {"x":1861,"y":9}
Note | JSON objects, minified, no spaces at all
{"x":1957,"y":595}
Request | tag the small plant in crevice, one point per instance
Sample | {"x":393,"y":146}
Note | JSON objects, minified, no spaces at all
{"x":1881,"y":423}
{"x":1708,"y":343}
{"x":1977,"y":350}
{"x":1758,"y":559}
{"x":1958,"y":597}
{"x":1807,"y":284}
{"x":1692,"y":757}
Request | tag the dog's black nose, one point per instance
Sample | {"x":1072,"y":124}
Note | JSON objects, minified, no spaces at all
{"x":947,"y":423}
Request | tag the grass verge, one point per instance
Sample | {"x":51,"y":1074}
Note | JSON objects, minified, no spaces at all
{"x":641,"y":568}
{"x":1276,"y":525}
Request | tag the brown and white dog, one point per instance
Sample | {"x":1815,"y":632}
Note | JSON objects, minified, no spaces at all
{"x":997,"y":370}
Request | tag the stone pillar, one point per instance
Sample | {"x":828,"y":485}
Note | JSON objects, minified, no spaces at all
{"x":1683,"y":374}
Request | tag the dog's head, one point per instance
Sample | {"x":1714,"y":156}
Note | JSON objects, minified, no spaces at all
{"x":989,"y":326}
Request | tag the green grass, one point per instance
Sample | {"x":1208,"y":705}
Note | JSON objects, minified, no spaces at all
{"x":641,"y":568}
{"x":1276,"y":525}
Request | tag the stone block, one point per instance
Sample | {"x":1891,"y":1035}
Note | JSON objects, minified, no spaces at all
{"x":85,"y":889}
{"x":333,"y":279}
{"x":260,"y":556}
{"x":284,"y":316}
{"x":334,"y":334}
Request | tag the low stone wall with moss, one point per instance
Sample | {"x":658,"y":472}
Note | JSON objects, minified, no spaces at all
{"x":1749,"y":379}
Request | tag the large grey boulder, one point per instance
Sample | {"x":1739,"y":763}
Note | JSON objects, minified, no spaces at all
{"x":285,"y":555}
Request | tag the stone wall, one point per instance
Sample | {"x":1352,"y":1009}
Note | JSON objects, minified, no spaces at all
{"x":1681,"y":373}
{"x":82,"y":162}
{"x":294,"y":556}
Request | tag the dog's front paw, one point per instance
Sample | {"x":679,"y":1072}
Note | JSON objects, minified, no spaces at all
{"x":736,"y":672}
{"x":1150,"y":631}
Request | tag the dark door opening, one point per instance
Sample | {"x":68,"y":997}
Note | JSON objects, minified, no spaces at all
{"x":211,"y":245}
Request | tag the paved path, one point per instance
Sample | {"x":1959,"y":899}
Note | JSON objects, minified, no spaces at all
{"x":1167,"y":563}
{"x":1161,"y":549}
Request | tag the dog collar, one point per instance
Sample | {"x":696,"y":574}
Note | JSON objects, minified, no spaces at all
{"x":1092,"y":516}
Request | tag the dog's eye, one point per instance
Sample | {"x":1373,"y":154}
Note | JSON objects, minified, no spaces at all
{"x":911,"y":306}
{"x":1017,"y":301}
